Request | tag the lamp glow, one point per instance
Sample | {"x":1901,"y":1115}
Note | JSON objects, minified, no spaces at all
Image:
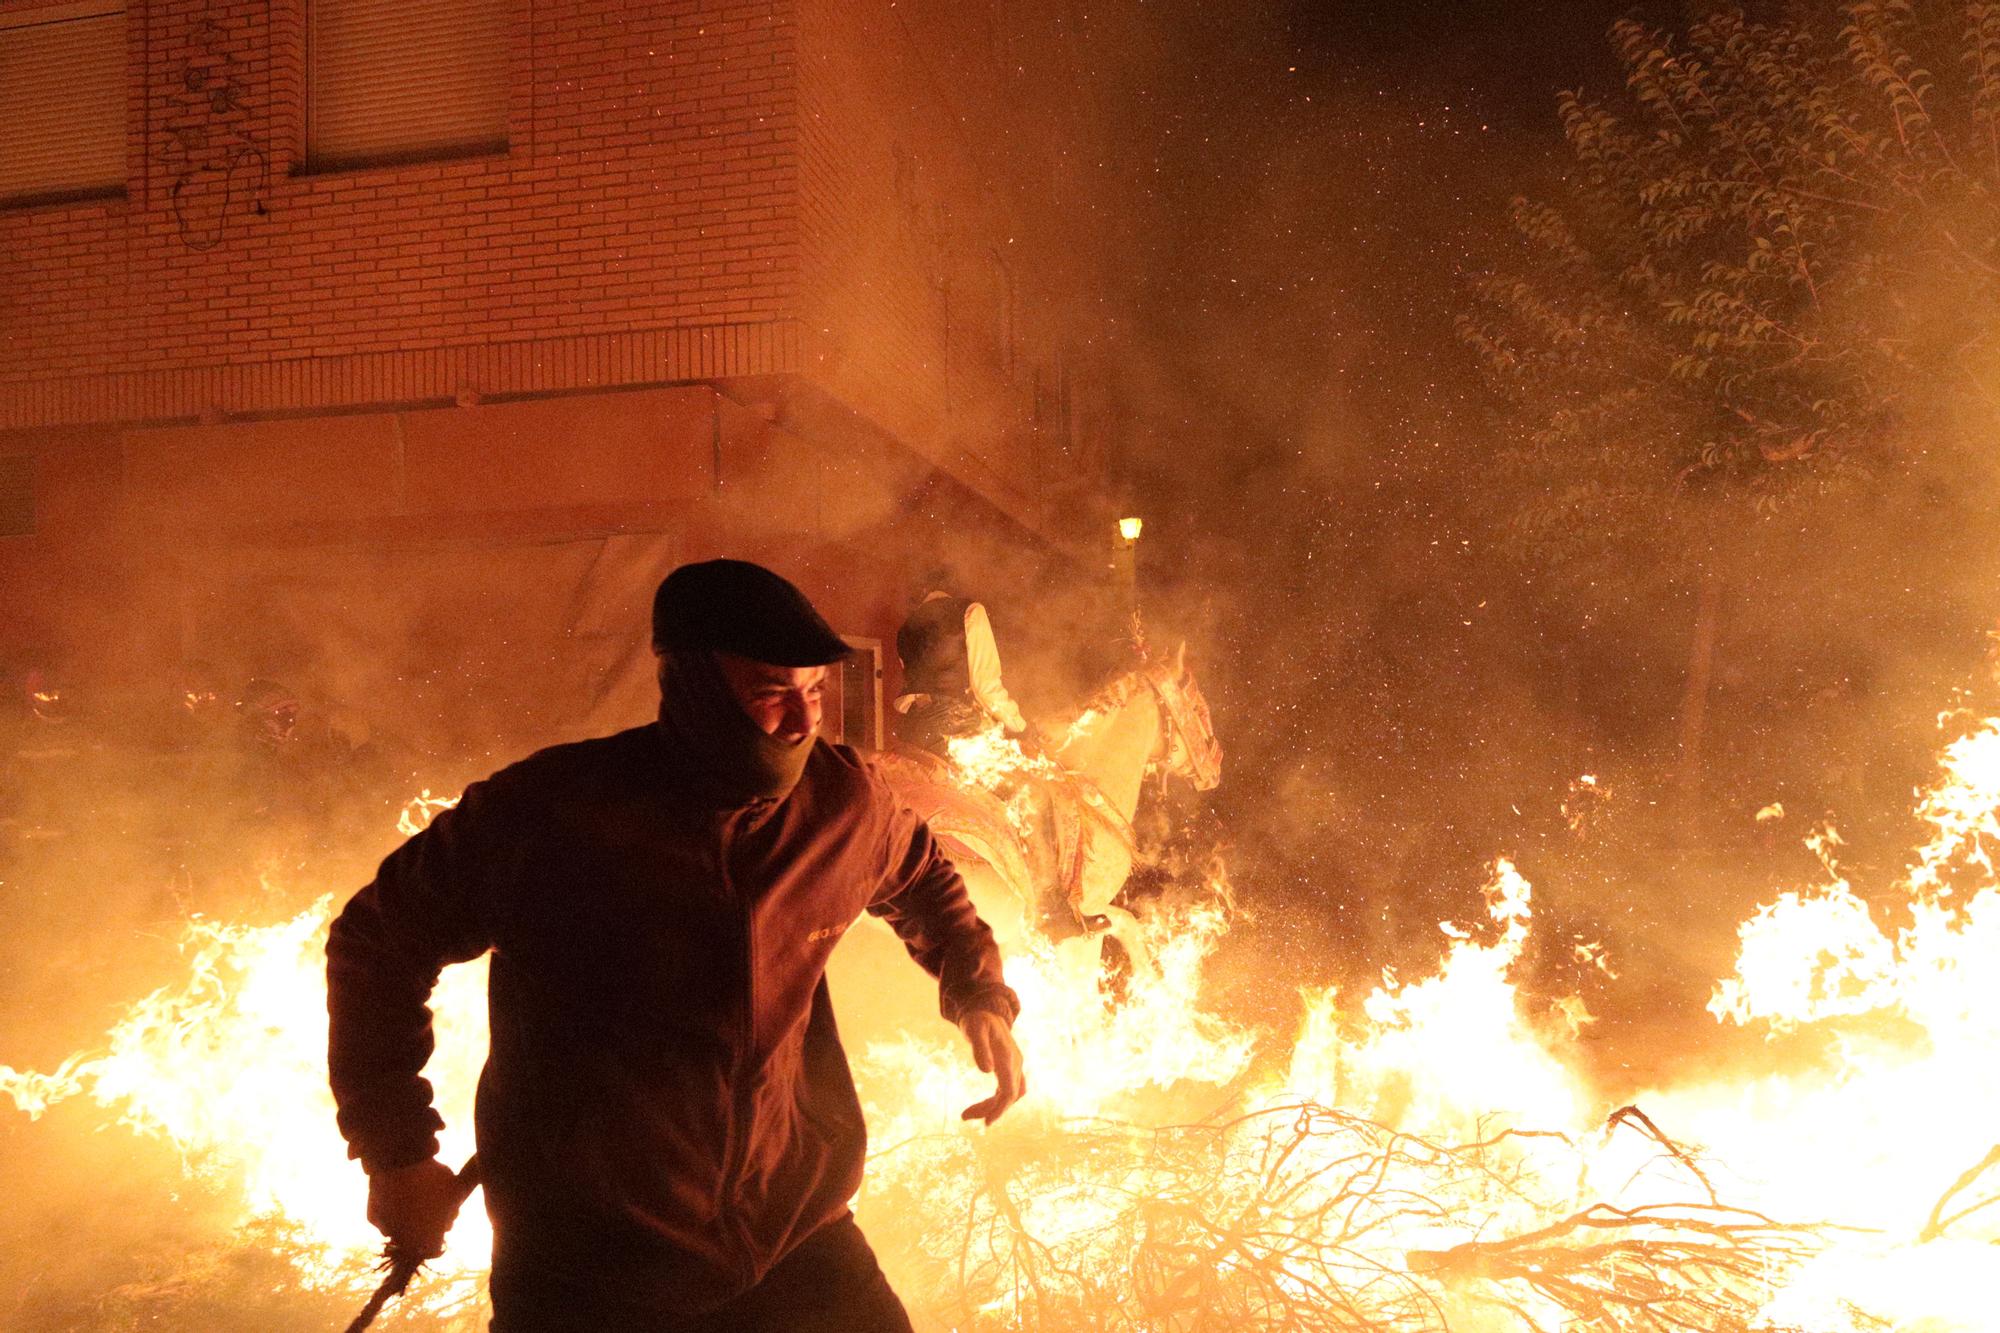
{"x":1129,"y":528}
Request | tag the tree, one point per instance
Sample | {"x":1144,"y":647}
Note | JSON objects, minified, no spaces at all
{"x":1767,"y":278}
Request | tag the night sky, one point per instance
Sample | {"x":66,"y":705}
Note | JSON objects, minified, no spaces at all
{"x":1501,"y":61}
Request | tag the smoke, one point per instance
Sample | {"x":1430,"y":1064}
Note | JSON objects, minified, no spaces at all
{"x":1403,"y":695}
{"x":1316,"y":513}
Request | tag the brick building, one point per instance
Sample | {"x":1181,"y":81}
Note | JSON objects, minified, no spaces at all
{"x":330,"y":324}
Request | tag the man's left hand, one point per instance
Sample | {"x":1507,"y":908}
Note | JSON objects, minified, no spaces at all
{"x":994,"y":1051}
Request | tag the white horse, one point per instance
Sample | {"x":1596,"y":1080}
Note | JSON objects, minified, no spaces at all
{"x":1042,"y":835}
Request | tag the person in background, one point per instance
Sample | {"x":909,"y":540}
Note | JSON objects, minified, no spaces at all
{"x":951,"y":674}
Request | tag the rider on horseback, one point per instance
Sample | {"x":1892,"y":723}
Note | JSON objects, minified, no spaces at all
{"x":951,"y":674}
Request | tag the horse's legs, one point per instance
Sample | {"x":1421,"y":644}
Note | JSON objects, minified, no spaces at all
{"x":1126,"y":930}
{"x":1107,"y":864}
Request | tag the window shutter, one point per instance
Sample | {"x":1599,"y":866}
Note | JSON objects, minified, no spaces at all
{"x":391,"y":80}
{"x":62,"y":102}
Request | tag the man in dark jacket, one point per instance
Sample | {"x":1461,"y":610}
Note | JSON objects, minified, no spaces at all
{"x":668,"y":1133}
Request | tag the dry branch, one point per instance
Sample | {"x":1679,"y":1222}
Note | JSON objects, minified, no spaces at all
{"x":1303,"y":1217}
{"x":1937,"y":1224}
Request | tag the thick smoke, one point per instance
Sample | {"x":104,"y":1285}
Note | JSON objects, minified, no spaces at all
{"x":1404,"y":693}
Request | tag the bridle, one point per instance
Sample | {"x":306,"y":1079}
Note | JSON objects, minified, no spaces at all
{"x":1180,"y":754}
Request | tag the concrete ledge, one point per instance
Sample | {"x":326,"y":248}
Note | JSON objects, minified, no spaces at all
{"x":402,"y":377}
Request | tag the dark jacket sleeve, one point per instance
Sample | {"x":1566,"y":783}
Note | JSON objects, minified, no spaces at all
{"x":925,"y":902}
{"x":431,"y":903}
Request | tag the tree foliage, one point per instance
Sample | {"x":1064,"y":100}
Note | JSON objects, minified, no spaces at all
{"x":1772,"y":263}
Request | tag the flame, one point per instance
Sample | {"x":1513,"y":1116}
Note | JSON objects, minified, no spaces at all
{"x":416,"y":816}
{"x":1453,"y":1044}
{"x":1422,"y":1156}
{"x":992,"y":759}
{"x":1583,"y":804}
{"x":1875,"y":1133}
{"x":1467,"y":1162}
{"x":228,"y":1066}
{"x":996,"y":762}
{"x":1332,"y":1193}
{"x":1092,"y":1053}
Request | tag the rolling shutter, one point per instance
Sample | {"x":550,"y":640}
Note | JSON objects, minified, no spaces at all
{"x":389,"y":80}
{"x":62,"y":102}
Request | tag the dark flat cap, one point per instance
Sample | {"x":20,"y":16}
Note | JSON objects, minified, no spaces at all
{"x":733,"y":606}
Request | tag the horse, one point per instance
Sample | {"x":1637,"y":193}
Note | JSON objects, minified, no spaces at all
{"x":1046,"y":837}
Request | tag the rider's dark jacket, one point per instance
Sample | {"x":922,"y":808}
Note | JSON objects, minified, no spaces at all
{"x":666,"y":1110}
{"x":931,"y":643}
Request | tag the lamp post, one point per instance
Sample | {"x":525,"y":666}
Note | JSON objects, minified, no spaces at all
{"x":1125,"y":568}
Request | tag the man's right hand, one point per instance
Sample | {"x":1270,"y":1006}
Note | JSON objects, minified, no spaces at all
{"x":995,"y":1052}
{"x":415,"y":1205}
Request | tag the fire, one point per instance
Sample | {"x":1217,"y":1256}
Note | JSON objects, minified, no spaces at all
{"x":1426,"y":1155}
{"x":1876,"y":1132}
{"x":416,"y":816}
{"x":1090,"y":1054}
{"x":1430,"y":1154}
{"x":1454,"y":1044}
{"x":1426,"y":1158}
{"x":229,"y":1067}
{"x":998,"y":763}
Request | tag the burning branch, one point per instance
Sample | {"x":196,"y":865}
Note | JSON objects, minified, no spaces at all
{"x":1301,"y":1216}
{"x":1938,"y":1223}
{"x":1668,"y":1267}
{"x":1632,"y":1115}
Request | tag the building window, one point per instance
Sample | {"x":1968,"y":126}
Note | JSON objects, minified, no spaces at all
{"x":17,"y":495}
{"x":404,"y":80}
{"x":62,"y":103}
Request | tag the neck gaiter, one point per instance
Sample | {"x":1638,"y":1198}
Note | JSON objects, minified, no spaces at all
{"x":731,"y":760}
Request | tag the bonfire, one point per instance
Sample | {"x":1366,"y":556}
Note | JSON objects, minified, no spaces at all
{"x":1425,"y":1156}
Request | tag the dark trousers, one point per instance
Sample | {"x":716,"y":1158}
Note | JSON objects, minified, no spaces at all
{"x":829,"y":1284}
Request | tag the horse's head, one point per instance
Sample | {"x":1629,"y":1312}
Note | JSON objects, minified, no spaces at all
{"x":1190,"y":749}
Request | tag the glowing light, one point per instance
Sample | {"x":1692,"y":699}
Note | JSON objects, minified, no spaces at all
{"x":1130,"y":528}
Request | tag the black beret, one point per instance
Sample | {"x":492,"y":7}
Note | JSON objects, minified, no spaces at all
{"x":733,"y":606}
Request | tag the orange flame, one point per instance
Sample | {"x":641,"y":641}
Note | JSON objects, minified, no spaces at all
{"x":1168,"y":1154}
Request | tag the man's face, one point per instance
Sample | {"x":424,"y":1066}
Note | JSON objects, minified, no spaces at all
{"x":782,"y":701}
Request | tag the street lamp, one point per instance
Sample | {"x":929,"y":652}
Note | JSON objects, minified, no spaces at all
{"x":1125,"y":565}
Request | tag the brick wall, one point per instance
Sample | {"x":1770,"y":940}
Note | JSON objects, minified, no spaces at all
{"x":820,"y":193}
{"x":647,"y":188}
